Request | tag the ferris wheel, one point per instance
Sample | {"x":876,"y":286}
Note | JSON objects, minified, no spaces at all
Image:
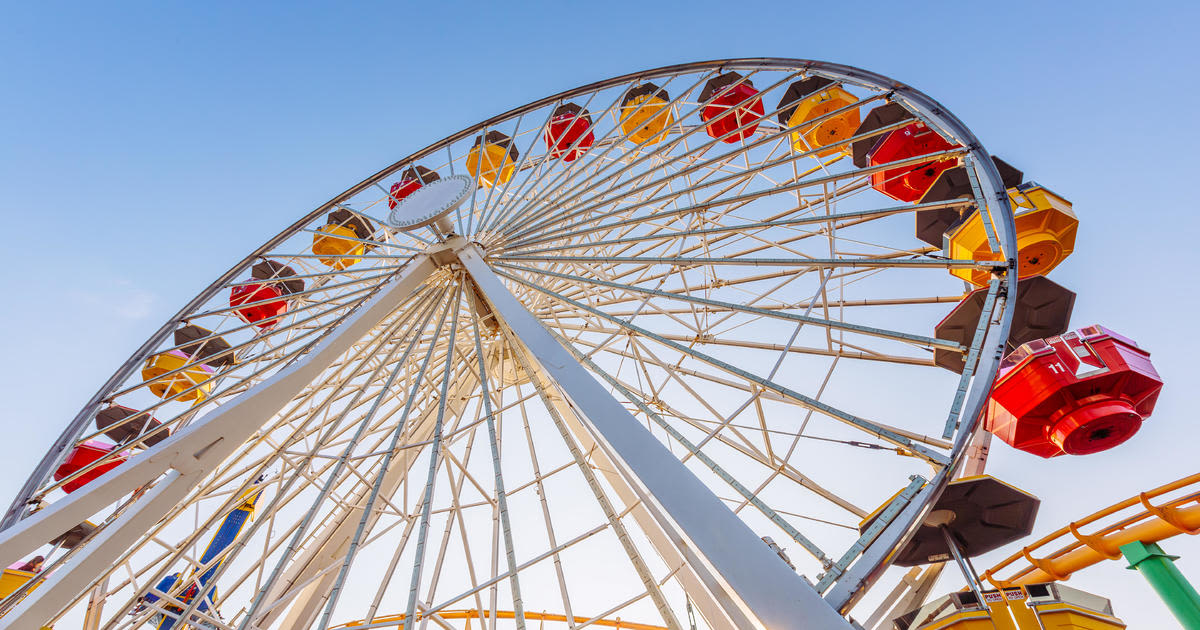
{"x":663,"y":348}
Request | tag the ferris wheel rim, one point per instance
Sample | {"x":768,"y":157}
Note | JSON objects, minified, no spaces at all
{"x":919,"y":100}
{"x":916,"y":100}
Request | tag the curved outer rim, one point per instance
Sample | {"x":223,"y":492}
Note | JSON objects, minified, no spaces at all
{"x":931,"y":110}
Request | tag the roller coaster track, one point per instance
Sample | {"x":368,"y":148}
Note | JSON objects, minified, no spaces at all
{"x":1149,"y":523}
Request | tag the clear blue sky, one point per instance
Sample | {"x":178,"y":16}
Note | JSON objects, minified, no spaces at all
{"x":145,"y":148}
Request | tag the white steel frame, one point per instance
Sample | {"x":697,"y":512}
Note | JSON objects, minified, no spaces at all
{"x":733,"y":578}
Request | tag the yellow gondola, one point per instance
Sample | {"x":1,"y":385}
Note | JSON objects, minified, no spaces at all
{"x":340,"y":242}
{"x":1046,"y":228}
{"x":813,"y":98}
{"x":497,"y":157}
{"x":198,"y":351}
{"x":13,"y":579}
{"x":645,"y":114}
{"x":194,"y":375}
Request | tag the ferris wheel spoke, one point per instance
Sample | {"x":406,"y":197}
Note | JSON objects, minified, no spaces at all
{"x":785,"y":160}
{"x":293,"y":546}
{"x":716,"y":432}
{"x":795,"y":349}
{"x":907,"y":301}
{"x":834,"y":263}
{"x":708,"y":243}
{"x":837,"y":414}
{"x":434,"y":461}
{"x":749,"y":388}
{"x":504,"y":521}
{"x":567,"y":175}
{"x":777,"y":466}
{"x":489,"y":208}
{"x":919,"y":340}
{"x":693,"y":450}
{"x":564,"y":233}
{"x":547,"y":519}
{"x":610,"y":513}
{"x":521,"y":215}
{"x":492,"y":188}
{"x":543,"y":164}
{"x":556,"y":233}
{"x":740,"y":229}
{"x":598,"y":264}
{"x":682,"y":139}
{"x":301,"y":474}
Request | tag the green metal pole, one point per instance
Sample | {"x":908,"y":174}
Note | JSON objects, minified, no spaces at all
{"x":1160,"y":571}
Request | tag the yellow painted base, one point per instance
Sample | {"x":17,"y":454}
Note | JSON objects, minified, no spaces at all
{"x":168,"y":386}
{"x":497,"y":162}
{"x":1052,"y":607}
{"x":333,"y":243}
{"x":826,"y":132}
{"x":1068,"y":617}
{"x":966,"y":620}
{"x":645,"y":117}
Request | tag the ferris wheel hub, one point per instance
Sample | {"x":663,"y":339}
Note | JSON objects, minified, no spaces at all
{"x":431,"y":204}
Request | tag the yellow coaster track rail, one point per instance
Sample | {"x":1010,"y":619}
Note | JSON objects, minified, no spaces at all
{"x":1149,"y":524}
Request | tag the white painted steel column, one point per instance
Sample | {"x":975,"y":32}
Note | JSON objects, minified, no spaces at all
{"x":189,"y":455}
{"x":741,"y":572}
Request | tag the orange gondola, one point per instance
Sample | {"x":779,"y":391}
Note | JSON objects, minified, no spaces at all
{"x":818,"y":97}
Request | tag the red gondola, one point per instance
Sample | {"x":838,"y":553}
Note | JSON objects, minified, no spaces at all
{"x":411,"y":179}
{"x":569,"y":125}
{"x":1078,"y":393}
{"x":263,"y":303}
{"x":81,"y":457}
{"x":730,"y":92}
{"x":910,"y":181}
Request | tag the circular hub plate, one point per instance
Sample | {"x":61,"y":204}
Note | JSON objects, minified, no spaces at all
{"x":430,"y":202}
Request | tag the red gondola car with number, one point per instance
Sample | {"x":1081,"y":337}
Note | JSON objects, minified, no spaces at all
{"x":1078,"y":393}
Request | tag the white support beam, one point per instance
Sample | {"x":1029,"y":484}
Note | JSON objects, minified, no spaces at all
{"x":77,"y":576}
{"x":189,"y":455}
{"x":742,"y":576}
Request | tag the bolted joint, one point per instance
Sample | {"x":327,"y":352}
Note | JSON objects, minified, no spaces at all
{"x":1138,"y":552}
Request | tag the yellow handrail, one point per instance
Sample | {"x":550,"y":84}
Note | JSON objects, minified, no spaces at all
{"x":1151,"y":524}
